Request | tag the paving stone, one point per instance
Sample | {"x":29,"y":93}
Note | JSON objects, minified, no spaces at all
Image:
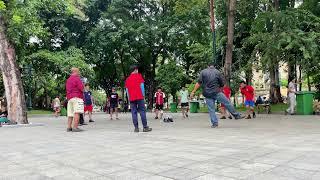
{"x":213,"y":177}
{"x":269,"y":147}
{"x":182,"y":174}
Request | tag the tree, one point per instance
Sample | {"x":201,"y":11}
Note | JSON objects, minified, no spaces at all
{"x":16,"y":104}
{"x":170,"y":77}
{"x":229,"y":48}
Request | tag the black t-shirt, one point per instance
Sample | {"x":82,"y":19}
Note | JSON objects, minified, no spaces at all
{"x":114,"y":98}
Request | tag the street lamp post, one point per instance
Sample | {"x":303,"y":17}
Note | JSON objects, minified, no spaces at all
{"x":212,"y":21}
{"x":29,"y":97}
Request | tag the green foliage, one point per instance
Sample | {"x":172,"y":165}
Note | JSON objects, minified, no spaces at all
{"x":2,"y":6}
{"x":99,"y":97}
{"x":170,"y":77}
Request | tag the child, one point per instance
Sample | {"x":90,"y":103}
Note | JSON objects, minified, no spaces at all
{"x":248,"y":93}
{"x":227,"y":92}
{"x":159,"y":96}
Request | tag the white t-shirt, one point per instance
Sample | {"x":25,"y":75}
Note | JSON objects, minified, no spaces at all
{"x":184,"y":95}
{"x":56,"y":102}
{"x":292,"y":88}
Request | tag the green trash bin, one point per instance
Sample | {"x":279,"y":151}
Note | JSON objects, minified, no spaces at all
{"x":305,"y":102}
{"x":194,"y":106}
{"x":63,"y":112}
{"x":173,"y":107}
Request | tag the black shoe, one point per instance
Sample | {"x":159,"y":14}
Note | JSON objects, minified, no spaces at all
{"x":156,"y":118}
{"x":91,"y":120}
{"x":187,"y":115}
{"x":147,"y":129}
{"x":69,"y":129}
{"x":170,"y":119}
{"x":254,"y":115}
{"x":223,"y":117}
{"x":248,"y":117}
{"x":230,"y":117}
{"x":215,"y":125}
{"x":136,"y":130}
{"x":83,"y":124}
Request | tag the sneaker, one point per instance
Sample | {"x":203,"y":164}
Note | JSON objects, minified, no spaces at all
{"x":187,"y":115}
{"x":117,"y":119}
{"x":156,"y":118}
{"x":230,"y":117}
{"x":147,"y":129}
{"x":165,"y":120}
{"x":69,"y":129}
{"x":91,"y":120}
{"x":136,"y":130}
{"x":248,"y":117}
{"x":84,"y":124}
{"x":215,"y":125}
{"x":77,"y":130}
{"x":223,"y":117}
{"x":170,"y":119}
{"x":253,"y":114}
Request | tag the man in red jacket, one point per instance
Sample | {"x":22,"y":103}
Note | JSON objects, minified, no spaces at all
{"x":135,"y":90}
{"x":74,"y":87}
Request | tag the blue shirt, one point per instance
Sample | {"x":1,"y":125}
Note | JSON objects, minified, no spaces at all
{"x":87,"y":97}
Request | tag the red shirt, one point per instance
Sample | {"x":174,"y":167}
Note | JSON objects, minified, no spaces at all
{"x":74,"y":87}
{"x":248,"y":93}
{"x":133,"y":84}
{"x":227,"y":91}
{"x":159,"y":97}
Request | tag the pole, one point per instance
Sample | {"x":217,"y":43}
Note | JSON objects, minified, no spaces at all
{"x":213,"y":31}
{"x":30,"y":99}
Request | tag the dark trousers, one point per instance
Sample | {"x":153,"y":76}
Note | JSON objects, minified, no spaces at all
{"x":138,"y":106}
{"x":81,"y":119}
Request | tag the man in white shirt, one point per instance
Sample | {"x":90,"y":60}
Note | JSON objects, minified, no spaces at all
{"x":184,"y":101}
{"x":292,"y":90}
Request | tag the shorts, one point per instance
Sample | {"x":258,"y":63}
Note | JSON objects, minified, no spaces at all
{"x":159,"y":106}
{"x":185,"y":104}
{"x":114,"y":105}
{"x":75,"y":105}
{"x":249,"y":103}
{"x":88,"y":108}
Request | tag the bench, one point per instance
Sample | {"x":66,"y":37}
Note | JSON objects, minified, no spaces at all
{"x":264,"y":107}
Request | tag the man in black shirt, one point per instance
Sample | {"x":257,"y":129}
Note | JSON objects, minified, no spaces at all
{"x":212,"y":81}
{"x":114,"y":101}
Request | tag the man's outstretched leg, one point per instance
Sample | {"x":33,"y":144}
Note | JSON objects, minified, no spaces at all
{"x":224,"y":100}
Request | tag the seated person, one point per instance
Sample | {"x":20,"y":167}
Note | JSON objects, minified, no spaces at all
{"x":259,"y":100}
{"x":4,"y":115}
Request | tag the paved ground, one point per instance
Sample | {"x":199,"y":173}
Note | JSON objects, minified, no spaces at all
{"x":270,"y":147}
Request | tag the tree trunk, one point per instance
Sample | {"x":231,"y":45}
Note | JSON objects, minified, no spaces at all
{"x":275,"y":93}
{"x":249,"y":76}
{"x":309,"y":83}
{"x":300,"y":78}
{"x":291,"y":72}
{"x":16,"y":104}
{"x":229,"y":48}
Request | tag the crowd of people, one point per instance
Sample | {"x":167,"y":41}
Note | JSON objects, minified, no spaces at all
{"x":80,"y":100}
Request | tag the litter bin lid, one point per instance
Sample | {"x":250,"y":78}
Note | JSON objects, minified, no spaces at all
{"x":305,"y":92}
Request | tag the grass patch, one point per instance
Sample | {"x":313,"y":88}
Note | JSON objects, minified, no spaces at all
{"x":39,"y":112}
{"x":274,"y":108}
